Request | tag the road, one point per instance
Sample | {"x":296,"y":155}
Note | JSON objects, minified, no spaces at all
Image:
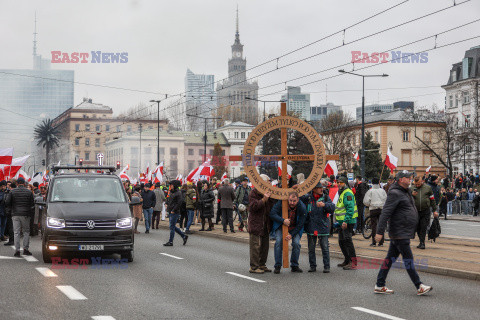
{"x":470,"y":229}
{"x":193,"y":282}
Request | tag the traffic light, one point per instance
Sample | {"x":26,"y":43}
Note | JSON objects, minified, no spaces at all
{"x":118,"y":165}
{"x":80,"y":161}
{"x":43,"y":162}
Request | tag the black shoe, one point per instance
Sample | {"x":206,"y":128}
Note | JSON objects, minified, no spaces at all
{"x":209,"y":229}
{"x":168,"y":244}
{"x":421,"y":246}
{"x":296,"y":269}
{"x":16,"y":254}
{"x":343,"y":264}
{"x":203,"y":229}
{"x":26,"y":252}
{"x":225,"y":231}
{"x":185,"y":240}
{"x":326,"y":270}
{"x":373,"y":245}
{"x":312,"y":269}
{"x":8,"y":244}
{"x":232,"y":231}
{"x":188,"y":232}
{"x":148,"y":231}
{"x":276,"y":270}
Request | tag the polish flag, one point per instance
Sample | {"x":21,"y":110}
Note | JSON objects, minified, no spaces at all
{"x":37,"y":178}
{"x":158,"y":173}
{"x":356,"y":156}
{"x":428,"y":169}
{"x":224,"y":176}
{"x":331,"y":168}
{"x":123,"y":174}
{"x":22,"y":174}
{"x":148,"y":173}
{"x":333,"y":194}
{"x":6,"y":156}
{"x":16,"y":165}
{"x":391,"y":161}
{"x":289,"y":170}
{"x":205,"y":170}
{"x":179,"y":177}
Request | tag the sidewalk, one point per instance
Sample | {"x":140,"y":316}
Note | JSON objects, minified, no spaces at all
{"x":462,"y":217}
{"x":455,"y":257}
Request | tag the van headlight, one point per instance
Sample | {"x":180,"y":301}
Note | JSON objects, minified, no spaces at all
{"x":55,"y":223}
{"x":124,"y":223}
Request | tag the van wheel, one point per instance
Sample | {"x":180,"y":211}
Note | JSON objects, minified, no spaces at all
{"x":128,"y":255}
{"x":47,"y":258}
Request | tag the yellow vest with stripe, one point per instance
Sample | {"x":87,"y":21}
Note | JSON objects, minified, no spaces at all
{"x":340,"y":209}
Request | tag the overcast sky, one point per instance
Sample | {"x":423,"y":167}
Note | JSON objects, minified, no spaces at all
{"x":164,"y":38}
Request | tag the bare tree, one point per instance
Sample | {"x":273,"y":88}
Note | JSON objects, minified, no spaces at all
{"x":140,"y":111}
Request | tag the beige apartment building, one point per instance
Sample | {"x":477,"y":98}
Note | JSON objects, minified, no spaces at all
{"x":396,"y":130}
{"x":85,"y":128}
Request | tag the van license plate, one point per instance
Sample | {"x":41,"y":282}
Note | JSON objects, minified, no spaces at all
{"x":90,"y":247}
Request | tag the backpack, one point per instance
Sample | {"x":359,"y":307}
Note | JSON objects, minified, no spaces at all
{"x":435,"y":230}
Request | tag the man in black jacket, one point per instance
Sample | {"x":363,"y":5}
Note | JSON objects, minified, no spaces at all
{"x":149,"y":202}
{"x":3,"y":213}
{"x":361,"y":189}
{"x":22,"y":204}
{"x":400,"y":211}
{"x":174,"y":204}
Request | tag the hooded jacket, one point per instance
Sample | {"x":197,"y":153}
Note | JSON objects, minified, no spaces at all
{"x":21,"y":202}
{"x":375,"y":198}
{"x":400,"y":211}
{"x":317,"y":217}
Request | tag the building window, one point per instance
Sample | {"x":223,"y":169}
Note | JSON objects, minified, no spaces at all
{"x":427,"y":136}
{"x":174,"y":166}
{"x":427,"y":158}
{"x":129,"y":128}
{"x":468,"y":149}
{"x":87,"y":127}
{"x":454,"y":76}
{"x":119,"y":127}
{"x":466,"y":97}
{"x":200,"y":152}
{"x":376,"y":136}
{"x":150,"y":127}
{"x":161,"y":152}
{"x":97,"y":128}
{"x":173,"y":151}
{"x":456,"y":100}
{"x":87,"y":156}
{"x":451,"y":101}
{"x":190,"y":152}
{"x":97,"y":142}
{"x":243,"y":135}
{"x":406,"y":136}
{"x":107,"y":127}
{"x":236,"y":135}
{"x":134,"y":151}
{"x":147,"y":150}
{"x":190,"y":165}
{"x":77,"y":127}
{"x":406,"y":157}
{"x":210,"y":152}
{"x":77,"y":141}
{"x":87,"y":141}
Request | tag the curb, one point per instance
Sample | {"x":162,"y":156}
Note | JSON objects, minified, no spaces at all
{"x":462,"y":219}
{"x":456,"y":273}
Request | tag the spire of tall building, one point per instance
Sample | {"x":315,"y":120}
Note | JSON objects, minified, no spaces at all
{"x":35,"y":37}
{"x":237,"y":34}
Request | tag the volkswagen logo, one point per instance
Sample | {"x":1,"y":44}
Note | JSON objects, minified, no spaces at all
{"x":90,"y":224}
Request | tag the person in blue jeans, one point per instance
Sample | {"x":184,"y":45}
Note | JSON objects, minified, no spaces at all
{"x":319,"y":206}
{"x":191,"y":203}
{"x":295,"y":222}
{"x":149,"y":202}
{"x":174,"y":203}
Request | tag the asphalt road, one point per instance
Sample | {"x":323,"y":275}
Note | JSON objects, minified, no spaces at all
{"x":470,"y":229}
{"x":193,"y":282}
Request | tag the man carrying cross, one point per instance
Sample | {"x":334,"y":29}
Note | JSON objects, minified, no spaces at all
{"x":296,"y":219}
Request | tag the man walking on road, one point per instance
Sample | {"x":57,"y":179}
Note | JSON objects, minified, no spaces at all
{"x":346,"y":215}
{"x":295,"y":222}
{"x":22,"y":204}
{"x":424,"y":200}
{"x":401,"y":214}
{"x":361,"y":189}
{"x":174,"y":204}
{"x":149,"y":202}
{"x":159,"y":203}
{"x":226,"y":194}
{"x":259,"y":228}
{"x":241,"y":197}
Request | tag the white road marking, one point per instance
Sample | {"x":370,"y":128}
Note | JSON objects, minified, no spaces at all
{"x":5,"y":257}
{"x":380,"y":314}
{"x":30,"y":258}
{"x":46,"y":272}
{"x":103,"y":318}
{"x":245,"y":277}
{"x":443,"y":228}
{"x":169,"y":255}
{"x":72,"y":293}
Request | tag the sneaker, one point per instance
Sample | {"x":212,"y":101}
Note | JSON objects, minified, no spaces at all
{"x":296,"y":269}
{"x":16,"y":254}
{"x":185,"y":240}
{"x":209,"y":229}
{"x":343,"y":264}
{"x":373,"y":245}
{"x":168,"y":244}
{"x":380,"y":245}
{"x":423,"y":289}
{"x":421,"y":246}
{"x":8,"y":243}
{"x":148,"y":231}
{"x":26,"y":252}
{"x":312,"y":269}
{"x":276,"y":270}
{"x":383,"y":290}
{"x":188,"y":232}
{"x":225,"y":231}
{"x":350,"y":266}
{"x":265,"y":269}
{"x":256,"y":270}
{"x":232,"y":231}
{"x":326,"y":270}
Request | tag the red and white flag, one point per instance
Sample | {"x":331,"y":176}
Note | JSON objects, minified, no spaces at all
{"x":391,"y":161}
{"x":179,"y":177}
{"x":356,"y":156}
{"x":6,"y":156}
{"x":224,"y":176}
{"x":22,"y":174}
{"x":333,"y":194}
{"x":123,"y":174}
{"x":331,"y":168}
{"x":17,"y":164}
{"x":289,"y":170}
{"x":158,"y":173}
{"x":428,"y":169}
{"x":204,"y":171}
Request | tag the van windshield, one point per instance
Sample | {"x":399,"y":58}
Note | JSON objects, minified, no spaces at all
{"x":87,"y":189}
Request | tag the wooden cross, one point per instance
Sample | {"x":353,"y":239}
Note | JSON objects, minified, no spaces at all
{"x":319,"y":158}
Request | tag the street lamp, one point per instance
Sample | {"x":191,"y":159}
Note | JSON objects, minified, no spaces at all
{"x":264,"y":101}
{"x":362,"y":152}
{"x":205,"y":138}
{"x":158,"y":128}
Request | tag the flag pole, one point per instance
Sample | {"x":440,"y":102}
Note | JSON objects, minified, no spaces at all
{"x":381,"y":174}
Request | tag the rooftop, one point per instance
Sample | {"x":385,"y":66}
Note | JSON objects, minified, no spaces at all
{"x":87,"y":104}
